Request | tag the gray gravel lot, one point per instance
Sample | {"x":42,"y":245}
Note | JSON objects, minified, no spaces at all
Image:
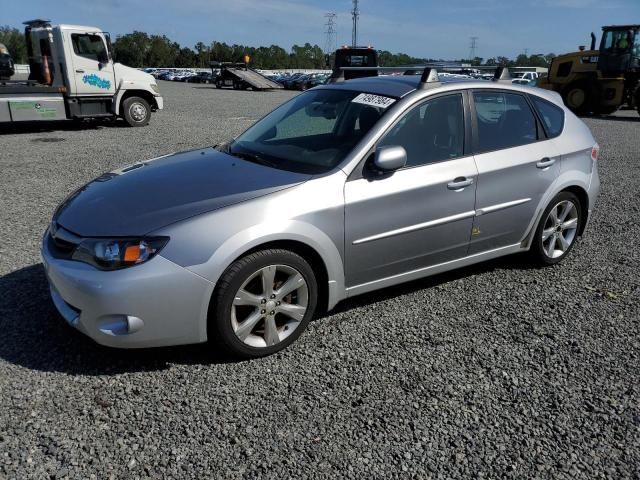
{"x":500,"y":370}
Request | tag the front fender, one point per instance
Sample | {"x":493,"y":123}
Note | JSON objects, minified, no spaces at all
{"x":291,"y":230}
{"x":127,"y":86}
{"x":311,"y":213}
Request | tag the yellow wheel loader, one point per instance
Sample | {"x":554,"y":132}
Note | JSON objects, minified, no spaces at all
{"x":599,"y":81}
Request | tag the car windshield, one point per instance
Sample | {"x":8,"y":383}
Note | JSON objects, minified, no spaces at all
{"x":313,"y":132}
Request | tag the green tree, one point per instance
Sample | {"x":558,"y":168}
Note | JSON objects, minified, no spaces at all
{"x":13,"y":39}
{"x":202,"y":52}
{"x":132,"y":49}
{"x":186,"y":58}
{"x":162,"y":52}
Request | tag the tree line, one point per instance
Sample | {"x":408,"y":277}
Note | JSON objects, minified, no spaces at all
{"x":139,"y":49}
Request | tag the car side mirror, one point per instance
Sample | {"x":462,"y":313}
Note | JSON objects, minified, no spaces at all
{"x":390,"y":158}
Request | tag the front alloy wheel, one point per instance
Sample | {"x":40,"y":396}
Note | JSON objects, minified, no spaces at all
{"x":269,"y":306}
{"x":262,"y":303}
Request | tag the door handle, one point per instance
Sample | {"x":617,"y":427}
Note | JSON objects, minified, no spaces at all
{"x":546,"y":162}
{"x":459,"y":183}
{"x":79,"y":70}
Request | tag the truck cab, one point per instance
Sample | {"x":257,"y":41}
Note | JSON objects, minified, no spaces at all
{"x":75,"y":62}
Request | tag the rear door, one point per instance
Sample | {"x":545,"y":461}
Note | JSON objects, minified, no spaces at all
{"x":420,"y":215}
{"x":516,"y":166}
{"x":92,"y":69}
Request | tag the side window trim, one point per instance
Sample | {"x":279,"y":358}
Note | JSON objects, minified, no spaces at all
{"x":474,"y":119}
{"x":538,"y":114}
{"x":467,"y":150}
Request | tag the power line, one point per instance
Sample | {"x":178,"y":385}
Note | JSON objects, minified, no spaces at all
{"x":355,"y":14}
{"x":331,"y":39}
{"x":472,"y":47}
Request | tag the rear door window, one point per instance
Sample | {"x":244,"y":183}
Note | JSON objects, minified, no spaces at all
{"x":503,"y":120}
{"x":552,"y":116}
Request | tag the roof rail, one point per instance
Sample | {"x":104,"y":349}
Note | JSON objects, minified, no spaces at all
{"x":428,"y":79}
{"x":502,"y":74}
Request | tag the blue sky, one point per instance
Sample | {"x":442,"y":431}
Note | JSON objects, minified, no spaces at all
{"x":424,"y":28}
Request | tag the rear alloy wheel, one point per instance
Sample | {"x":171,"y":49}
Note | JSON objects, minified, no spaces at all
{"x":136,"y":111}
{"x":558,"y":230}
{"x":263,"y":303}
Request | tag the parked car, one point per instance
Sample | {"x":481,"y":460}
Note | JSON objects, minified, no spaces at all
{"x":202,"y":77}
{"x":306,"y":82}
{"x":290,"y":80}
{"x":344,"y":189}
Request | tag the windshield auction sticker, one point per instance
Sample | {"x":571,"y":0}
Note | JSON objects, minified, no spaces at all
{"x":374,"y":100}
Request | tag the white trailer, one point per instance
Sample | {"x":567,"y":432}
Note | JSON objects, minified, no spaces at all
{"x":73,"y":76}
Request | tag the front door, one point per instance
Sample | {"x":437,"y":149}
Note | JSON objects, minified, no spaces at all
{"x":92,"y":68}
{"x":516,"y":166}
{"x":420,"y":215}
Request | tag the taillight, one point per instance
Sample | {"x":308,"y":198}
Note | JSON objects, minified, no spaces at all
{"x":595,"y":151}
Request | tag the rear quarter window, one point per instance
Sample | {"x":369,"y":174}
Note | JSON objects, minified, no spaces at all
{"x":551,"y":115}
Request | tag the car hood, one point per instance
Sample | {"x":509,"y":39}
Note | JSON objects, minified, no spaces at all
{"x":146,"y":196}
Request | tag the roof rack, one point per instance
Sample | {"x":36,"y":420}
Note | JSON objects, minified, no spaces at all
{"x":428,"y":79}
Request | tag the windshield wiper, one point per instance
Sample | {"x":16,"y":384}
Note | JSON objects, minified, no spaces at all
{"x":252,"y":157}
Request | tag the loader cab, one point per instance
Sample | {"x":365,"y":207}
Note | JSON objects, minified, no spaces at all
{"x":619,"y":50}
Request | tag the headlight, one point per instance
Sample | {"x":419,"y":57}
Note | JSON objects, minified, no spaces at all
{"x":112,"y":254}
{"x":155,"y":88}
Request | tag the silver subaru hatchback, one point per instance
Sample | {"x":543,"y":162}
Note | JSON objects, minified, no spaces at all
{"x":347,"y":188}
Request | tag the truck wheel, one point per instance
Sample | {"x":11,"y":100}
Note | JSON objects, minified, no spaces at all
{"x":136,"y":111}
{"x":578,"y":96}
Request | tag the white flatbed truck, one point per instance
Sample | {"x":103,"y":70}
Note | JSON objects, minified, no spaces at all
{"x":73,"y":76}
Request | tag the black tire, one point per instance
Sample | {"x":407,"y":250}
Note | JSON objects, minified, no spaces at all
{"x":537,"y":251}
{"x":220,"y":330}
{"x":579,"y":97}
{"x":136,"y":111}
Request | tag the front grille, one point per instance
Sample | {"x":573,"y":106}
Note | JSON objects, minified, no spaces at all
{"x":62,"y":243}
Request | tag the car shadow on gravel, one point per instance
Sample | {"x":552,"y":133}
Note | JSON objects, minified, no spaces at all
{"x":34,"y":336}
{"x":60,"y":126}
{"x":612,"y":118}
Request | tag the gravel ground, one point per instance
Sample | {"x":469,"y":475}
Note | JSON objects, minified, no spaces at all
{"x":499,"y":370}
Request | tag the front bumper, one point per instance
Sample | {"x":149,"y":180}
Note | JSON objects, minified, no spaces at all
{"x":154,"y":304}
{"x":159,"y":101}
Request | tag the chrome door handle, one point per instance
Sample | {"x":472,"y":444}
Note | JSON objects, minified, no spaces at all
{"x":545,"y":162}
{"x":459,"y":183}
{"x":79,"y":70}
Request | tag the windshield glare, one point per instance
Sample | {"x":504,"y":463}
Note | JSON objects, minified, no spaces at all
{"x":312,"y":133}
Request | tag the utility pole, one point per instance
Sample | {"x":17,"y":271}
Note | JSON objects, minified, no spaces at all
{"x":472,"y":48}
{"x":331,"y":39}
{"x":355,"y":13}
{"x":526,"y":52}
